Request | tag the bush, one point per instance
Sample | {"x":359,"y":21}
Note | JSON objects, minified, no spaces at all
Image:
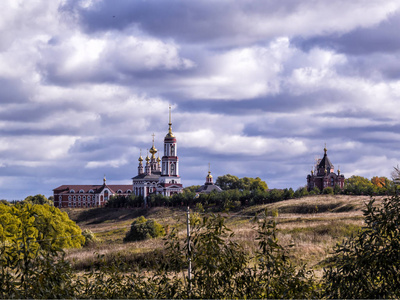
{"x":328,"y":191}
{"x":90,"y":238}
{"x":142,"y":229}
{"x":316,"y":190}
{"x":366,"y":266}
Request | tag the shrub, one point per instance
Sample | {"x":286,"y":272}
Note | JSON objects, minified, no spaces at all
{"x":366,"y":265}
{"x":316,"y":190}
{"x":142,"y":229}
{"x":90,"y":238}
{"x":328,"y":191}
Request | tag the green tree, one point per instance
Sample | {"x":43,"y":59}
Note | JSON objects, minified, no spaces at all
{"x":142,"y":229}
{"x":51,"y":228}
{"x":337,"y":190}
{"x":191,"y":189}
{"x":38,"y":199}
{"x":327,"y":191}
{"x":31,"y":263}
{"x":228,"y":182}
{"x":367,"y":265}
{"x":251,"y":184}
{"x":220,"y":266}
{"x":231,"y":182}
{"x":301,"y":192}
{"x":358,"y":185}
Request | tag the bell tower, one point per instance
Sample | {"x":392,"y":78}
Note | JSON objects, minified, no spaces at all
{"x":170,"y":179}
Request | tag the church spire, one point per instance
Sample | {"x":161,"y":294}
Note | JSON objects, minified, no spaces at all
{"x":140,"y":167}
{"x":170,"y":134}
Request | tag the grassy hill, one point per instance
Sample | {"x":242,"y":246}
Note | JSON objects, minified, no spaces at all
{"x":313,"y":225}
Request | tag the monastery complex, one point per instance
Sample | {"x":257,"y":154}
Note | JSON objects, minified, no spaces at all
{"x":161,"y":176}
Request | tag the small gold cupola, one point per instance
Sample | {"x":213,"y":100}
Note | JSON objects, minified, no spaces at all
{"x":153,"y":150}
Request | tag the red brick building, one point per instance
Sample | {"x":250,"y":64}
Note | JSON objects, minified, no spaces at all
{"x":88,"y":195}
{"x":324,"y":176}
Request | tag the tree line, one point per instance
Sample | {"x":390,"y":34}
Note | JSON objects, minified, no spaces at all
{"x":237,"y":192}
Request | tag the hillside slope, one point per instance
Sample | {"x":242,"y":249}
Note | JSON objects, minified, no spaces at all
{"x":313,"y":224}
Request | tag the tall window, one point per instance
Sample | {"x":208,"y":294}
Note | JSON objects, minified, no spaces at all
{"x":172,"y":150}
{"x":172,"y":169}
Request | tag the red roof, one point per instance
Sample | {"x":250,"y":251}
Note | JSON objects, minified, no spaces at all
{"x":65,"y":189}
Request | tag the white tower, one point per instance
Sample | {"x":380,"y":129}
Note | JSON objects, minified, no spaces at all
{"x":170,"y":181}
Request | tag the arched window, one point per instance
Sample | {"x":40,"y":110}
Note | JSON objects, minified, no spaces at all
{"x":81,"y":191}
{"x":172,"y":169}
{"x":332,"y":181}
{"x":72,"y":191}
{"x":172,"y":150}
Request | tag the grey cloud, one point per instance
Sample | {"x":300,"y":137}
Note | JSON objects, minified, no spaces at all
{"x":12,"y":91}
{"x":382,"y":38}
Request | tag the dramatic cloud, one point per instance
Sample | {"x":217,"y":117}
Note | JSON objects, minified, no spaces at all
{"x":257,"y":88}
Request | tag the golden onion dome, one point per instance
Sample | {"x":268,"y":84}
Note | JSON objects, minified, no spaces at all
{"x":153,"y":150}
{"x":147,"y":158}
{"x":158,"y":159}
{"x":140,"y":158}
{"x":209,"y":175}
{"x":169,"y":134}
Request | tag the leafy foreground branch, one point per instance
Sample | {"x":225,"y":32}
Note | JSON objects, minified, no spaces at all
{"x":365,"y":266}
{"x":368,"y":264}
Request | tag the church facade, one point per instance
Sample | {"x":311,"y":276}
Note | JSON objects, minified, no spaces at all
{"x":324,"y":175}
{"x":159,"y":176}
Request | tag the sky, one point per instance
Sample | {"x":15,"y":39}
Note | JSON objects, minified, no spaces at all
{"x":256,"y":88}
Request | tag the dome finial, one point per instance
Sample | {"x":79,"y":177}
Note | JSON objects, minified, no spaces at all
{"x":209,"y":178}
{"x":104,"y":179}
{"x":140,"y":157}
{"x":325,"y":150}
{"x":153,"y":149}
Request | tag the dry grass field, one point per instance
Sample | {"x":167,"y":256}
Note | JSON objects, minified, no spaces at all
{"x":312,"y":225}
